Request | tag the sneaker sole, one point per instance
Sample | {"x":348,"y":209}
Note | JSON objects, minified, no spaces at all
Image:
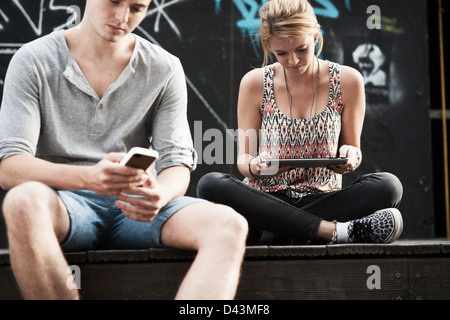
{"x":398,"y":225}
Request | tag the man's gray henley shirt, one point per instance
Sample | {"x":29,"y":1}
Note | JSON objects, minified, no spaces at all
{"x":50,"y":111}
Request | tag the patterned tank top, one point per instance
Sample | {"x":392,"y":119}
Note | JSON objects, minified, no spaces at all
{"x":301,"y":138}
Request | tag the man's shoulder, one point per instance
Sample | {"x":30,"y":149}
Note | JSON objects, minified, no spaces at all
{"x":154,"y":53}
{"x":45,"y":46}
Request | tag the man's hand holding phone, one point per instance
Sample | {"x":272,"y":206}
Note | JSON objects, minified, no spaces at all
{"x":108,"y":178}
{"x":140,"y":202}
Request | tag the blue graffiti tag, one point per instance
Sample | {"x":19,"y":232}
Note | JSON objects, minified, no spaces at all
{"x":329,"y":10}
{"x":250,"y":24}
{"x":249,"y":9}
{"x":218,"y":8}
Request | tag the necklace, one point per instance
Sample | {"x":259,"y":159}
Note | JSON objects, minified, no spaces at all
{"x":315,"y":98}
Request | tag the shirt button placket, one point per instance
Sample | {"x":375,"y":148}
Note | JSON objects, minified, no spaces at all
{"x":97,"y":123}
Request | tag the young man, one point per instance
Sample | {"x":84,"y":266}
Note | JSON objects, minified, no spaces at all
{"x":74,"y":102}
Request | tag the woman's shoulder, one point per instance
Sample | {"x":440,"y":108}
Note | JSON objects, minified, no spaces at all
{"x":258,"y":74}
{"x":351,"y":80}
{"x":253,"y":79}
{"x":347,"y":73}
{"x":351,"y":74}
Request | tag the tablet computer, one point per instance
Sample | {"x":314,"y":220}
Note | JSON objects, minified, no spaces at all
{"x":307,"y":162}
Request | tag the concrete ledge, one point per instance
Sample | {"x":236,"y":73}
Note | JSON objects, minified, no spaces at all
{"x":398,"y":248}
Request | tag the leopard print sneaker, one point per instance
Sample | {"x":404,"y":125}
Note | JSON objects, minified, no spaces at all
{"x":383,"y":226}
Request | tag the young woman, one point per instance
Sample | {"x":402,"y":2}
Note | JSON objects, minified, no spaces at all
{"x":303,"y":107}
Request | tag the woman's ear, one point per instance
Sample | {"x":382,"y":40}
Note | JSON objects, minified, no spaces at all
{"x":316,"y":38}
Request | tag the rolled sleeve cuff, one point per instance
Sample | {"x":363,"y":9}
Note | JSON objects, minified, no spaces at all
{"x":177,"y":157}
{"x":13,"y":147}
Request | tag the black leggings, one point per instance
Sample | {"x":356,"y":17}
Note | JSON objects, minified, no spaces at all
{"x":279,"y":219}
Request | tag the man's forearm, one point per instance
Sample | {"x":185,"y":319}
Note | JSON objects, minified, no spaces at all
{"x":174,"y":181}
{"x":18,"y":169}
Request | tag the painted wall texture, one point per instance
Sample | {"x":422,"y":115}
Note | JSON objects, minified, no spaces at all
{"x":217,"y":43}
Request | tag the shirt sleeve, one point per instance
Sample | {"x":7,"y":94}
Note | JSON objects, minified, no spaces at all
{"x":20,"y":119}
{"x":171,"y":135}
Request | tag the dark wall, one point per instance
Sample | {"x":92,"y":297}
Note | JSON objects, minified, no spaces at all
{"x":438,"y":135}
{"x":216,"y":42}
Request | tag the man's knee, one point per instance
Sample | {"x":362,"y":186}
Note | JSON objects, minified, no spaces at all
{"x":237,"y":222}
{"x":230,"y":228}
{"x":22,"y":203}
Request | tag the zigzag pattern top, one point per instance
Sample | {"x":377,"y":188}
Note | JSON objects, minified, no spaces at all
{"x":301,"y":138}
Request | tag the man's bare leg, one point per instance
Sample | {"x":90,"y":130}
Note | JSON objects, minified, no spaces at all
{"x":218,"y":233}
{"x":37,"y":221}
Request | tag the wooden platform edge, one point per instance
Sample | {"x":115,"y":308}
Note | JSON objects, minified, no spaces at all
{"x":398,"y":248}
{"x":407,"y":270}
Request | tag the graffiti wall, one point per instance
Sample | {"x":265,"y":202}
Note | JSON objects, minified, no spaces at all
{"x":217,"y":43}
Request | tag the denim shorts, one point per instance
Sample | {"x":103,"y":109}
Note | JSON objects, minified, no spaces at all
{"x":97,"y":223}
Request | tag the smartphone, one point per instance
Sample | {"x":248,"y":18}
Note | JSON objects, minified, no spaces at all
{"x":140,"y":158}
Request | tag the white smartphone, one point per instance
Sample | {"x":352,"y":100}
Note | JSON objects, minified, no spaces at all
{"x":140,"y":158}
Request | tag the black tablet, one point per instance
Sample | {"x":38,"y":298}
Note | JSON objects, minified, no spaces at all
{"x":307,"y":162}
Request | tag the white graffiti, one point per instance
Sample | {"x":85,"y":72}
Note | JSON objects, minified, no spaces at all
{"x":73,"y":10}
{"x":160,"y":5}
{"x":35,"y":18}
{"x":159,"y":10}
{"x":206,"y":104}
{"x":37,"y":28}
{"x":5,"y":17}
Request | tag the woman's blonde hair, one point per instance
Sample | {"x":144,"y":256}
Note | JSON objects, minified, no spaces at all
{"x":287,"y":19}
